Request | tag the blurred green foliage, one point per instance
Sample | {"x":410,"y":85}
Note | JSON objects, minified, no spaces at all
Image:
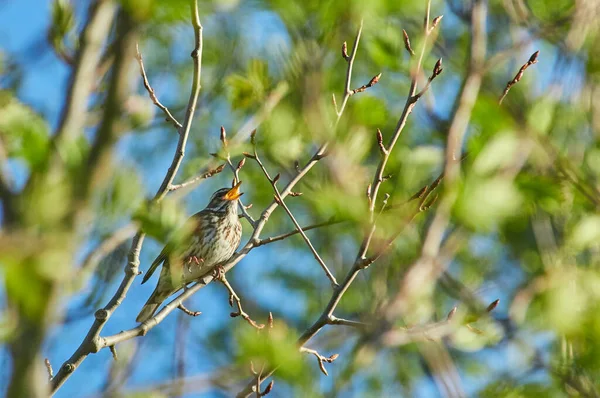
{"x":525,"y":215}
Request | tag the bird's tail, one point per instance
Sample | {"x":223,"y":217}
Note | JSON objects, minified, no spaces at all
{"x":155,"y":300}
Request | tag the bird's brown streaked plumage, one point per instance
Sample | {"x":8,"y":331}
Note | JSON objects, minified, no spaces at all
{"x":208,"y":238}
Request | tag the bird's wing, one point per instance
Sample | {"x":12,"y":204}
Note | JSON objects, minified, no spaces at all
{"x":192,"y":224}
{"x":157,"y":261}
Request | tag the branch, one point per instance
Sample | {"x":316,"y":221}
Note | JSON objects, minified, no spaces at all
{"x":92,"y":340}
{"x":276,"y":238}
{"x":170,"y":117}
{"x":350,"y":60}
{"x":328,"y":273}
{"x":195,"y":180}
{"x":188,"y":312}
{"x":279,"y":200}
{"x":320,"y":358}
{"x":83,"y":81}
{"x":532,"y":60}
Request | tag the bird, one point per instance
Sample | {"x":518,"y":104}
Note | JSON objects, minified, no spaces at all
{"x":207,"y":239}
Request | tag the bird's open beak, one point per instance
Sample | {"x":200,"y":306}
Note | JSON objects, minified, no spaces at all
{"x":234,"y":192}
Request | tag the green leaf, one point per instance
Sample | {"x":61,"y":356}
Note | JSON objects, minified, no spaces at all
{"x":23,"y":132}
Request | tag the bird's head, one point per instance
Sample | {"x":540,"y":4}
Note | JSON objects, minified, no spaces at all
{"x":225,"y":200}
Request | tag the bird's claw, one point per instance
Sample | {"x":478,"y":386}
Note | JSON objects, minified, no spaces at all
{"x":195,"y":260}
{"x":219,"y":272}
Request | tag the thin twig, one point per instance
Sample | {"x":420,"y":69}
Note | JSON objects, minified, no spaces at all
{"x":532,"y":60}
{"x":236,"y":176}
{"x":234,"y":297}
{"x":279,"y":200}
{"x":333,"y":320}
{"x":276,"y":238}
{"x":194,"y":180}
{"x":188,"y":312}
{"x":320,"y":358}
{"x":151,"y":93}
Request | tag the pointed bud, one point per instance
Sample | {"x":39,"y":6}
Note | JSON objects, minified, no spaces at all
{"x":276,"y":178}
{"x":253,"y":137}
{"x":268,"y":389}
{"x":380,"y":143}
{"x":374,"y":80}
{"x":333,"y":357}
{"x":436,"y":21}
{"x":224,"y":137}
{"x":407,"y":43}
{"x":533,"y":58}
{"x":437,"y":69}
{"x":248,"y":155}
{"x":451,"y":314}
{"x":241,"y":164}
{"x":493,"y":305}
{"x":345,"y":50}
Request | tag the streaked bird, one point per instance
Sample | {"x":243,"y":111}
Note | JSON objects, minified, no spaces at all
{"x":208,"y":238}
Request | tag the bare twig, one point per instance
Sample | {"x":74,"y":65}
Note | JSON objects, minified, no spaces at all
{"x":151,"y":92}
{"x":93,"y":342}
{"x":188,"y":312}
{"x":334,"y":320}
{"x":279,"y":200}
{"x":194,"y":180}
{"x":113,"y":351}
{"x":532,"y":60}
{"x":347,"y":91}
{"x":236,"y":176}
{"x":276,"y":238}
{"x":320,"y":358}
{"x":328,"y":273}
{"x":374,"y":80}
{"x":234,"y":297}
{"x":407,"y":43}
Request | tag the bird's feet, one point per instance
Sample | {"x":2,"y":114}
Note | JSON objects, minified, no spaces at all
{"x":193,"y":259}
{"x":218,"y":272}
